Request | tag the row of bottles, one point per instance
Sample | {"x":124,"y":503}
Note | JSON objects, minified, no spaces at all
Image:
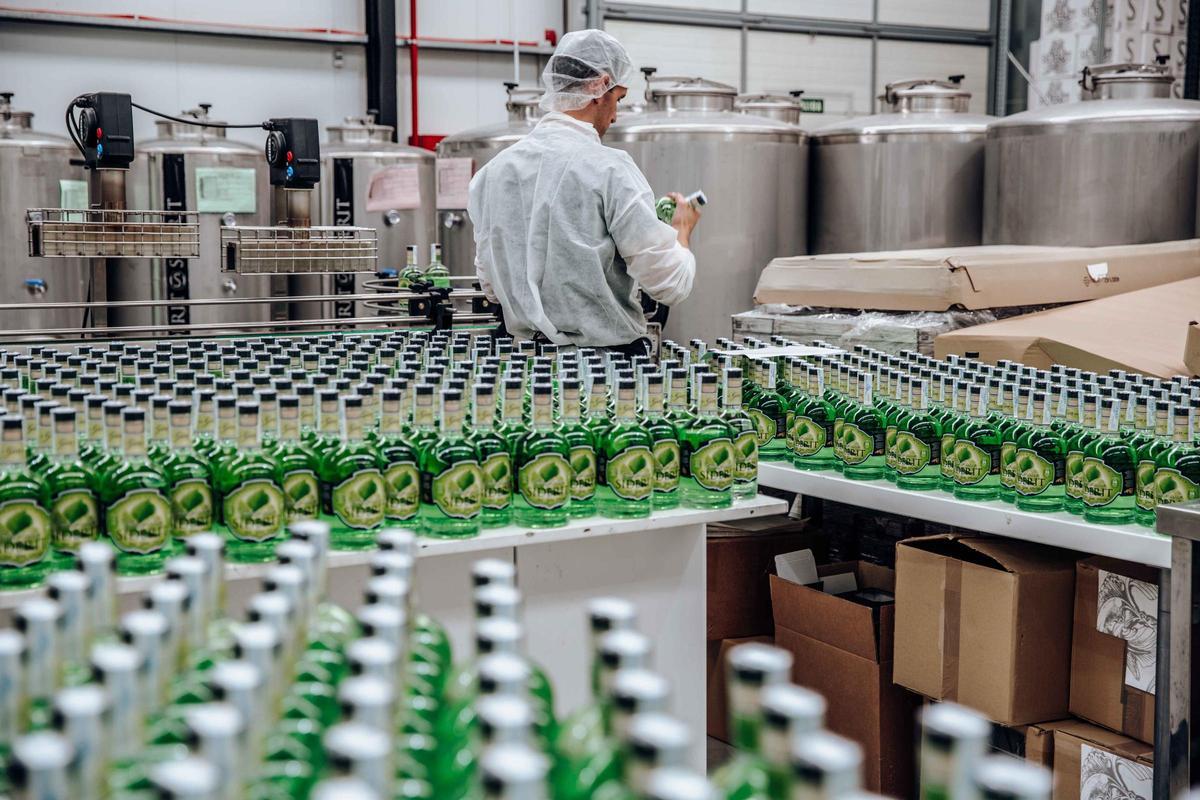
{"x":446,"y":435}
{"x":1109,"y":448}
{"x":782,"y":753}
{"x":435,"y":273}
{"x":307,"y":699}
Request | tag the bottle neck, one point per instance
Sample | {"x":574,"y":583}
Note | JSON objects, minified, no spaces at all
{"x":542,"y":416}
{"x":733,"y":394}
{"x":247,"y":433}
{"x":390,"y":422}
{"x":329,"y":418}
{"x":353,"y":426}
{"x":513,"y":412}
{"x":181,"y":435}
{"x":452,"y":420}
{"x":12,"y":450}
{"x":135,"y":442}
{"x":289,"y":425}
{"x":626,"y":409}
{"x":423,"y":413}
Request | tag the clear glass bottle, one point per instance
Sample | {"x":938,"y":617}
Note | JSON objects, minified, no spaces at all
{"x":73,"y":505}
{"x":665,"y":443}
{"x":253,"y":507}
{"x":624,"y":461}
{"x":707,"y":456}
{"x":745,"y":436}
{"x":495,"y":461}
{"x":543,"y":468}
{"x":583,"y":451}
{"x":451,"y":480}
{"x":137,"y":511}
{"x":297,"y":464}
{"x":354,"y":494}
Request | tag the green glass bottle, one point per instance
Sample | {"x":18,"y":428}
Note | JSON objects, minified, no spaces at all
{"x":1010,"y":426}
{"x":918,"y":443}
{"x":138,"y":514}
{"x":769,"y":411}
{"x":583,"y":451}
{"x":977,"y":451}
{"x":297,"y":464}
{"x":863,"y":434}
{"x":495,"y":461}
{"x":252,"y":503}
{"x":1082,"y":428}
{"x":543,"y":468}
{"x":952,"y":417}
{"x":1109,"y":471}
{"x":892,"y":402}
{"x":752,"y":669}
{"x":189,"y":479}
{"x":665,"y":443}
{"x":437,"y":273}
{"x":745,"y":436}
{"x":706,"y":452}
{"x":354,"y":493}
{"x":423,"y":432}
{"x":412,"y":270}
{"x":512,"y":419}
{"x":1040,"y":475}
{"x":451,"y":480}
{"x":624,"y":461}
{"x":843,"y":400}
{"x":26,"y":528}
{"x":1177,"y":473}
{"x":789,"y":714}
{"x":74,"y":507}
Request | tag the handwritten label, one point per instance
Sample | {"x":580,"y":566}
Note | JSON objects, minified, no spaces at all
{"x":453,"y":180}
{"x":221,"y":190}
{"x":395,"y":187}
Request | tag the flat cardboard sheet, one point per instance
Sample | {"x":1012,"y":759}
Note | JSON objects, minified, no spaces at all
{"x":993,"y":276}
{"x":1144,"y":331}
{"x":1191,"y":347}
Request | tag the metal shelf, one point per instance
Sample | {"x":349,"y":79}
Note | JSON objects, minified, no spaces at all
{"x":1127,"y":542}
{"x":509,"y":536}
{"x":323,"y":249}
{"x":112,"y":233}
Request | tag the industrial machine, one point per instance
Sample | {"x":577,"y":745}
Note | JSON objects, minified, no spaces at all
{"x":1118,"y":167}
{"x":475,"y":148}
{"x":368,"y":180}
{"x":194,"y":166}
{"x":36,"y":168}
{"x":754,"y":171}
{"x":783,"y":107}
{"x":908,"y":178}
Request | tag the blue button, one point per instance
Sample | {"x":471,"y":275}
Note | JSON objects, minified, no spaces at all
{"x":99,"y":150}
{"x":290,"y":172}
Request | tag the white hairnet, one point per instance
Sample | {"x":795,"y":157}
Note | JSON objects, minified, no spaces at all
{"x":585,"y":65}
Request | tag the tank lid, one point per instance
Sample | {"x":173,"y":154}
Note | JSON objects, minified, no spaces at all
{"x":924,"y":94}
{"x":703,"y":122}
{"x":783,"y":107}
{"x":691,"y":94}
{"x":169,"y":129}
{"x":13,"y":120}
{"x":360,"y":130}
{"x":1127,"y":80}
{"x":524,"y":102}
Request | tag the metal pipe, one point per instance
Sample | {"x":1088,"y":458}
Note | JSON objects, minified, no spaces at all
{"x":413,"y":72}
{"x":217,"y":301}
{"x":115,"y":333}
{"x":292,"y":207}
{"x":381,"y":61}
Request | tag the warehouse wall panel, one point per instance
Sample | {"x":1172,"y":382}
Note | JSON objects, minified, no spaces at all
{"x":906,"y":60}
{"x":969,"y":14}
{"x":463,"y":90}
{"x":712,"y":53}
{"x":707,"y":5}
{"x":835,"y":68}
{"x":339,"y":14}
{"x":857,"y":10}
{"x":481,"y":19}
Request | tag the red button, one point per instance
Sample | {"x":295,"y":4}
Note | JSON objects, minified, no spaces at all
{"x":289,"y":155}
{"x":99,"y":132}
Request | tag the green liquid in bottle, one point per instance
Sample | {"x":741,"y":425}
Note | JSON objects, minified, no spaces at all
{"x":138,"y":514}
{"x":745,"y":437}
{"x":73,"y":505}
{"x":918,"y":444}
{"x":543,"y":468}
{"x":1039,"y":480}
{"x":583,"y":453}
{"x":665,"y":445}
{"x":354,"y":495}
{"x":1109,"y":472}
{"x":707,"y":455}
{"x":188,"y":475}
{"x":253,"y":506}
{"x":977,"y":452}
{"x":26,"y":528}
{"x":769,"y":411}
{"x":451,"y":480}
{"x":863,"y":436}
{"x":297,"y":465}
{"x":624,"y":461}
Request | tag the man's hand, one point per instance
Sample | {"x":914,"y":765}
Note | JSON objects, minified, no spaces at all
{"x":685,"y":219}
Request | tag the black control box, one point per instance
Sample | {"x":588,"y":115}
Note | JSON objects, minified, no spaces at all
{"x":294,"y":153}
{"x":106,"y":130}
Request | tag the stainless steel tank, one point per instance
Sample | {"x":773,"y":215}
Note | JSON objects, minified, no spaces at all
{"x":908,"y":178}
{"x":1116,"y":168}
{"x":369,"y":181}
{"x":782,"y":107}
{"x":193,"y":168}
{"x":481,"y":145}
{"x":755,"y":173}
{"x":36,"y":172}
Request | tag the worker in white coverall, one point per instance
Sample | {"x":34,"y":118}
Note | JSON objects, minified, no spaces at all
{"x":565,"y":228}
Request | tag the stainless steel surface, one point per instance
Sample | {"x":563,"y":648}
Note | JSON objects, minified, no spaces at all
{"x":911,"y":177}
{"x":755,"y":173}
{"x":112,"y":233}
{"x":154,"y":182}
{"x":781,"y":107}
{"x":481,"y":145}
{"x":33,"y":167}
{"x":321,"y":250}
{"x":355,"y":157}
{"x":1174,"y":753}
{"x":1098,"y":172}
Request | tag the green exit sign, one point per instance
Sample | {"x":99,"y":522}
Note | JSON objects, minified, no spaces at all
{"x":812,"y":105}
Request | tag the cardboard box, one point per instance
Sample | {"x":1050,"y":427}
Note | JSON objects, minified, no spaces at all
{"x":740,"y":557}
{"x":1094,"y":762}
{"x":990,"y":276}
{"x":1039,"y":741}
{"x":1113,"y":645}
{"x":890,"y":332}
{"x":844,"y":651}
{"x":1191,"y":348}
{"x":986,"y":623}
{"x":1143,"y":331}
{"x":718,"y":687}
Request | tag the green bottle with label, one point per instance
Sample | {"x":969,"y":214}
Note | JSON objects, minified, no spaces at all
{"x":1011,"y":427}
{"x":412,"y":270}
{"x":137,"y":511}
{"x":583,"y":450}
{"x":745,"y":436}
{"x":864,"y":433}
{"x":1177,"y":474}
{"x":769,"y":411}
{"x":353,"y":492}
{"x":188,"y":475}
{"x":401,"y":475}
{"x":451,"y":480}
{"x":977,"y":451}
{"x":665,"y":443}
{"x":252,"y":503}
{"x":1039,"y":479}
{"x":1082,"y":430}
{"x":624,"y":460}
{"x":952,"y":417}
{"x":74,"y":506}
{"x":897,"y":411}
{"x":1160,"y":420}
{"x":1109,"y":471}
{"x":437,"y":273}
{"x":26,"y":529}
{"x":918,"y":445}
{"x":543,"y":466}
{"x":707,"y":456}
{"x":297,"y":464}
{"x":752,"y":669}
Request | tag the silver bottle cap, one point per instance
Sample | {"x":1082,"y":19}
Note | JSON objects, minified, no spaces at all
{"x":216,"y":731}
{"x":71,"y":589}
{"x":12,"y":678}
{"x":316,"y":533}
{"x":392,"y":563}
{"x":38,"y":766}
{"x":492,"y":571}
{"x":654,"y":740}
{"x":513,"y":772}
{"x":497,"y":601}
{"x":194,"y":574}
{"x":636,"y":691}
{"x":37,"y":620}
{"x":290,"y":580}
{"x":275,"y":609}
{"x":610,"y":614}
{"x":116,"y":668}
{"x":81,"y":715}
{"x":387,"y":622}
{"x":375,"y":656}
{"x":789,"y":712}
{"x":678,"y":784}
{"x":1006,"y":778}
{"x":360,"y":751}
{"x":171,"y":599}
{"x":210,"y":548}
{"x":148,"y":632}
{"x":369,"y":700}
{"x":302,"y":556}
{"x":398,"y":540}
{"x":503,"y":673}
{"x":498,"y":635}
{"x":98,"y":561}
{"x":388,"y":591}
{"x":504,"y":719}
{"x":827,"y":763}
{"x":188,"y":778}
{"x":258,"y":643}
{"x":344,"y":789}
